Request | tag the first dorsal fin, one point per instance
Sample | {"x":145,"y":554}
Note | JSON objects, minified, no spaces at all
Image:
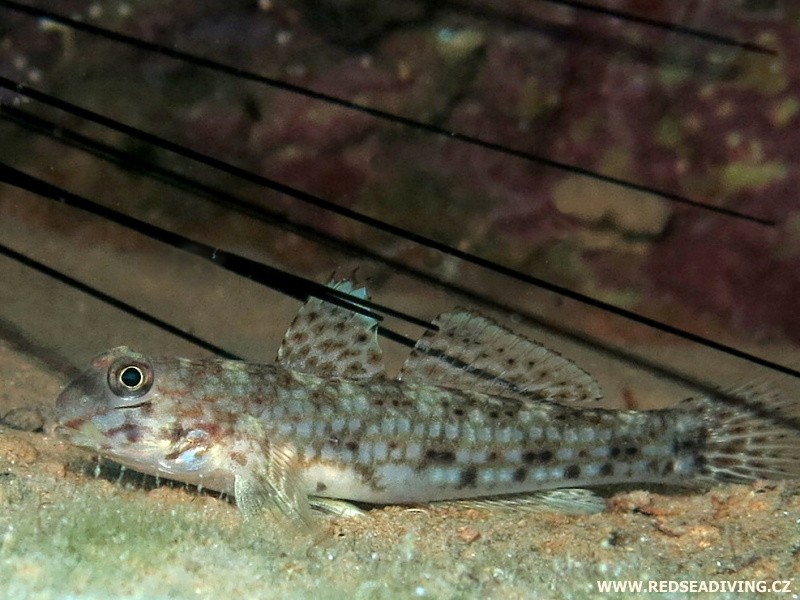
{"x":331,"y":341}
{"x":472,"y":352}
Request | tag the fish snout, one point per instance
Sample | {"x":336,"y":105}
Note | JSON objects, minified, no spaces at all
{"x":79,"y":401}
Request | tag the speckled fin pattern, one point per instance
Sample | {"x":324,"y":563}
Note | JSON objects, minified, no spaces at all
{"x":329,"y":341}
{"x":472,"y":352}
{"x":752,"y":434}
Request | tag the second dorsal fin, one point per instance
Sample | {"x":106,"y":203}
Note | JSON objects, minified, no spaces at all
{"x":331,"y":341}
{"x":472,"y":352}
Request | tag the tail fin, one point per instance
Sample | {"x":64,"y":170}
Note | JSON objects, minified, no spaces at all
{"x":752,"y":434}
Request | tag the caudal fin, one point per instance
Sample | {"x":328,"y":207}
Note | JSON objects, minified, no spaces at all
{"x":752,"y":434}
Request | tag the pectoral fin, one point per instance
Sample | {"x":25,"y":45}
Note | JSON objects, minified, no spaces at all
{"x":337,"y":508}
{"x":270,"y":480}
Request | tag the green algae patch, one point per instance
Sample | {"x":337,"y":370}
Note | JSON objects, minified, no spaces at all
{"x":744,"y":175}
{"x":669,"y":133}
{"x":784,"y":111}
{"x":123,"y":544}
{"x":767,"y":76}
{"x":602,"y":204}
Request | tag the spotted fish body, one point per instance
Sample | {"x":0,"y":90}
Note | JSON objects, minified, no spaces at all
{"x":476,"y":412}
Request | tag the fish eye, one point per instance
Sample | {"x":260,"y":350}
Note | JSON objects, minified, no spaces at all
{"x":130,"y":379}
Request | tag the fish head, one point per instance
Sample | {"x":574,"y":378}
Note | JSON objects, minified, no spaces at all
{"x":143,"y":413}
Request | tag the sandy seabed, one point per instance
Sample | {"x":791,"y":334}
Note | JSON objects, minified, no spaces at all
{"x":72,"y":529}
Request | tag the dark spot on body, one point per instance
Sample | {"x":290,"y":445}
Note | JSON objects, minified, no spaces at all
{"x":239,"y":458}
{"x":631,"y":451}
{"x":572,"y":472}
{"x":332,"y":346}
{"x":361,"y":338}
{"x":468,"y":477}
{"x":212,"y":429}
{"x":367,"y":476}
{"x":318,"y":395}
{"x":351,"y":445}
{"x":629,"y":401}
{"x":459,"y":412}
{"x":193,"y":411}
{"x":532,"y":456}
{"x":684,"y":446}
{"x":177,"y":432}
{"x":440,"y":456}
{"x":520,"y":474}
{"x":299,"y":337}
{"x":132,"y":433}
{"x":614,"y":452}
{"x":321,"y":487}
{"x":607,"y":470}
{"x":74,"y":423}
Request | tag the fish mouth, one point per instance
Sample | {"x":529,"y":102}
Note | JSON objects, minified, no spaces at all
{"x":90,"y":437}
{"x":81,"y":433}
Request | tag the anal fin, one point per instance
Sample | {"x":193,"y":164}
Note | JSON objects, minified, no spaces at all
{"x":573,"y":501}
